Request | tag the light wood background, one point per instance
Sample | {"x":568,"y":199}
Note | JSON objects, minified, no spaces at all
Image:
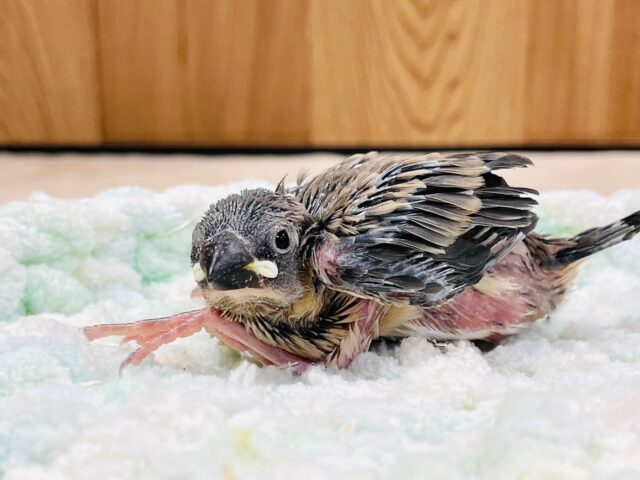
{"x":320,"y":72}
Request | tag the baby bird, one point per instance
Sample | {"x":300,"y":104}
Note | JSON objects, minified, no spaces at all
{"x":378,"y":246}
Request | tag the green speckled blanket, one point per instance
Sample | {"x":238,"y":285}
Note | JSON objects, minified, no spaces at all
{"x":558,"y":401}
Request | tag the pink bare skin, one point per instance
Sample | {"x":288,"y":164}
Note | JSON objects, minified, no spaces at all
{"x":524,"y":292}
{"x":152,"y":334}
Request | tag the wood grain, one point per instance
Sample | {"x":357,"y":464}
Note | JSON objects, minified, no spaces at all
{"x":48,"y":72}
{"x":418,"y":73}
{"x":624,"y":89}
{"x":202,"y":72}
{"x":568,"y":82}
{"x":476,"y":72}
{"x":325,"y":73}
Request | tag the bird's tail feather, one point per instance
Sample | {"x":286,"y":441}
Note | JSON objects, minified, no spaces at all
{"x":596,"y":239}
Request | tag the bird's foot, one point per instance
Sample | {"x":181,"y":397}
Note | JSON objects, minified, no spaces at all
{"x":152,"y":334}
{"x":149,"y":334}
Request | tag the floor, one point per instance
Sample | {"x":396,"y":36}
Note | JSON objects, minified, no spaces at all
{"x":78,"y":175}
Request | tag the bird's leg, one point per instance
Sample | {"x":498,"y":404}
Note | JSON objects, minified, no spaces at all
{"x":236,"y":336}
{"x":152,"y":334}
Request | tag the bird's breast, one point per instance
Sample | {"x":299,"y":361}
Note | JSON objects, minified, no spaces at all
{"x":319,"y":327}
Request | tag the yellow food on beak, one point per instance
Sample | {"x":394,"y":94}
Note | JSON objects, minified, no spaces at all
{"x":198,"y":273}
{"x":266,"y":268}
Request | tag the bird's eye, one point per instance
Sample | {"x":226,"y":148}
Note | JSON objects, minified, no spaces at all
{"x":282,"y":241}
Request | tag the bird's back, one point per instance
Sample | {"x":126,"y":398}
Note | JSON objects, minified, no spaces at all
{"x":412,"y":228}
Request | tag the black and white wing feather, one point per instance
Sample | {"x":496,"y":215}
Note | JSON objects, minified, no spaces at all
{"x":413,"y":228}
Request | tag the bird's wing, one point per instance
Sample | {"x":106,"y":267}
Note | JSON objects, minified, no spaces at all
{"x":413,"y":228}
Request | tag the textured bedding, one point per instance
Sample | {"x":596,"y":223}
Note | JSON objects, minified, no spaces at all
{"x":561,"y":400}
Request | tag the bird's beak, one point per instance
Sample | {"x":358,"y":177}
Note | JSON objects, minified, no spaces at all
{"x":266,"y":268}
{"x":226,"y":264}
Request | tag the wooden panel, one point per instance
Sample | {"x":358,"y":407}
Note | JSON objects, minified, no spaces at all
{"x":476,"y":72}
{"x":414,"y":72}
{"x":411,"y":73}
{"x":48,"y":81}
{"x":569,"y":66}
{"x":205,"y":72}
{"x":625,"y":73}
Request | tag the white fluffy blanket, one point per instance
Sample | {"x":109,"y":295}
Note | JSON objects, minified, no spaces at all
{"x":561,"y":401}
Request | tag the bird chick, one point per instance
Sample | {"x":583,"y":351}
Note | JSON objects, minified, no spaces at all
{"x":378,"y":246}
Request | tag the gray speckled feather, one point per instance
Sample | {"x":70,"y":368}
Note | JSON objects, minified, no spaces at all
{"x":414,"y":228}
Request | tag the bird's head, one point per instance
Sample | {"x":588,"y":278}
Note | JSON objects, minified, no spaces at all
{"x":246,"y":254}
